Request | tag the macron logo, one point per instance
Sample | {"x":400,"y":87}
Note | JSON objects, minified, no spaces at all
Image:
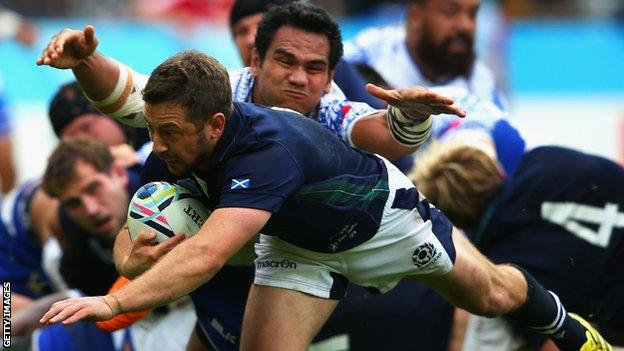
{"x":240,"y":183}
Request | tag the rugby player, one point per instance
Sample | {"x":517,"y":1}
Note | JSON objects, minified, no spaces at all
{"x":559,"y":215}
{"x":434,"y":47}
{"x":269,"y":170}
{"x":245,"y":17}
{"x":334,"y":113}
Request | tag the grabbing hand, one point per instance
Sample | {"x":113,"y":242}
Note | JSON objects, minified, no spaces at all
{"x":69,"y":48}
{"x":417,"y":102}
{"x":144,"y":254}
{"x":70,"y":311}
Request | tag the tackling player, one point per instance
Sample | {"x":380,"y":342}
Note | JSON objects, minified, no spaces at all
{"x":376,"y":228}
{"x":559,"y":215}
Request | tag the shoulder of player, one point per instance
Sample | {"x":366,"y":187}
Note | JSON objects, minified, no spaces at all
{"x":379,"y":35}
{"x":376,"y":42}
{"x":573,"y":163}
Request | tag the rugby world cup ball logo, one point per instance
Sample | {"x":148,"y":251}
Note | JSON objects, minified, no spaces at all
{"x":165,"y":209}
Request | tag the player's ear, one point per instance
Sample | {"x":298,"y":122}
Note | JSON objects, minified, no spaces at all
{"x":256,"y":62}
{"x":215,"y":125}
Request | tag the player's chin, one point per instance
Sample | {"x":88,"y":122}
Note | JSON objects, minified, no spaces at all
{"x":178,"y":168}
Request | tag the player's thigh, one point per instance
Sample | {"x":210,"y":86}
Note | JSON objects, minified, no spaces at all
{"x":282,"y":319}
{"x":476,"y":284}
{"x":195,"y":342}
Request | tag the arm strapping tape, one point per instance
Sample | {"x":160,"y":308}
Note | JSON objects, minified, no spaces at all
{"x":406,"y":130}
{"x":125,"y":102}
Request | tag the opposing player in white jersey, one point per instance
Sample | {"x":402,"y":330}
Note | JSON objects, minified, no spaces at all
{"x":435,"y":46}
{"x":488,"y":127}
{"x":270,"y":81}
{"x":264,"y":83}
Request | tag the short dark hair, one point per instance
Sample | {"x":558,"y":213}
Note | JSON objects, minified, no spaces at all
{"x":61,"y":168}
{"x":194,"y":81}
{"x":302,"y":16}
{"x":68,"y":104}
{"x":246,"y":8}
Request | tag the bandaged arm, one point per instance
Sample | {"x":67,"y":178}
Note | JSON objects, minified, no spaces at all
{"x":113,"y":88}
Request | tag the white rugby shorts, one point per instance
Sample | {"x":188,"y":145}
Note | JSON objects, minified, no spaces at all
{"x":409,"y":242}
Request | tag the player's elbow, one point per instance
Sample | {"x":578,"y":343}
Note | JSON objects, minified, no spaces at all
{"x":208,"y":261}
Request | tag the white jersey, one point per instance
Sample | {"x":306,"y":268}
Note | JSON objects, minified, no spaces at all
{"x":385,"y":50}
{"x":486,"y":127}
{"x":334,"y":111}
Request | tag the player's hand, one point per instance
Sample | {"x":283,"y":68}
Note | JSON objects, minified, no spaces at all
{"x":70,"y":311}
{"x":144,"y":253}
{"x":124,"y":155}
{"x":417,"y":102}
{"x":69,"y":48}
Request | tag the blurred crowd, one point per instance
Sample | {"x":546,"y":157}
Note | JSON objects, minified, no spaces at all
{"x":217,"y":10}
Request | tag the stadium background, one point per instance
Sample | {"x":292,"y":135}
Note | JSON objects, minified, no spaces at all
{"x":559,"y":61}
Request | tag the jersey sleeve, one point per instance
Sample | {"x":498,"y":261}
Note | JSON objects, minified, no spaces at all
{"x":340,"y":117}
{"x":261,"y":180}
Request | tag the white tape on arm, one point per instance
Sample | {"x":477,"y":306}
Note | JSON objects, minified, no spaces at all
{"x":406,"y":130}
{"x":125,"y":103}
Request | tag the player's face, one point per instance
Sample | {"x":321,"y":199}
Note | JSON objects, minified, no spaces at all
{"x":180,"y":143}
{"x":97,"y":200}
{"x":444,"y":32}
{"x":97,"y":127}
{"x":295,"y":71}
{"x":244,"y":33}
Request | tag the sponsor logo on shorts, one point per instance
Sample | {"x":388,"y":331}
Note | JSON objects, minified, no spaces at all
{"x":285,"y":263}
{"x":425,"y":254}
{"x":231,"y":337}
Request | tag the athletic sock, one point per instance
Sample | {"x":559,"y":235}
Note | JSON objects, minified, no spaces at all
{"x":543,"y":312}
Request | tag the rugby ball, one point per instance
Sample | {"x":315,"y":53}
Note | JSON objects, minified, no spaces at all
{"x":165,"y":209}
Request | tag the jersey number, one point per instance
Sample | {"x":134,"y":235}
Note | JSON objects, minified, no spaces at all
{"x":568,"y":215}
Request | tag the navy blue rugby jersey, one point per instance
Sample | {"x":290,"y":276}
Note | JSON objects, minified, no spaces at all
{"x":324,"y":195}
{"x":20,"y":250}
{"x":561,"y":216}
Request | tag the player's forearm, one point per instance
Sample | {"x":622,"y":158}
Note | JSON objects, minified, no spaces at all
{"x":178,"y":273}
{"x":371,"y":133}
{"x":121,"y":249}
{"x":97,"y":76}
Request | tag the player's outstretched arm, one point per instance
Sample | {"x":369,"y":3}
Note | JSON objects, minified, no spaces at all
{"x":76,"y":49}
{"x":399,"y":130}
{"x":190,"y":264}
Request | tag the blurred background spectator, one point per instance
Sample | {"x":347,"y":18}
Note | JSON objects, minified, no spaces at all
{"x":12,"y":26}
